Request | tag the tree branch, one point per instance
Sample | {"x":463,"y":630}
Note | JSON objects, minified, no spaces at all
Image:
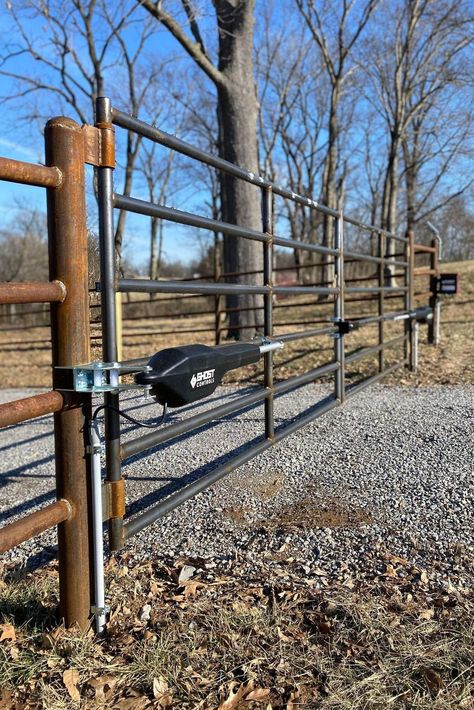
{"x":194,"y":49}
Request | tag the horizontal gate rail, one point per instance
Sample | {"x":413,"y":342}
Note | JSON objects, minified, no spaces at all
{"x":20,"y":410}
{"x":373,"y":349}
{"x":141,"y":286}
{"x":29,"y":173}
{"x":424,"y":248}
{"x":33,"y":292}
{"x":34,"y":524}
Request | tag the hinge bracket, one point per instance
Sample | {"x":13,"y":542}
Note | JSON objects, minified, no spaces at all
{"x":113,"y":499}
{"x":99,"y":145}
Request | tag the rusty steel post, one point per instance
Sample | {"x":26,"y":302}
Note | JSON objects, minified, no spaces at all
{"x":68,"y":260}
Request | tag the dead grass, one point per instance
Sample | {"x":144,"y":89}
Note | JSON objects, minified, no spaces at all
{"x":224,"y":642}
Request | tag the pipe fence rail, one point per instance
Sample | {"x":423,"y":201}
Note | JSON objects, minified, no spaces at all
{"x":378,"y":291}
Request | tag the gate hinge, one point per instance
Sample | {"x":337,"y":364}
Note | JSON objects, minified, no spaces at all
{"x":99,"y":145}
{"x":113,"y":499}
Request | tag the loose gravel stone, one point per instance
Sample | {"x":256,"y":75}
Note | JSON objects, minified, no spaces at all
{"x":388,"y":475}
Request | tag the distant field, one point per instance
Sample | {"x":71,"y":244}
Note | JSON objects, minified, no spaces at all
{"x":25,"y":354}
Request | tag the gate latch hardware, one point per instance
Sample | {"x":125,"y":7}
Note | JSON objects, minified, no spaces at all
{"x":345,"y":326}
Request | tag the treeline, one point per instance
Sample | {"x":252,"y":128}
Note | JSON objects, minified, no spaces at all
{"x":361,"y":104}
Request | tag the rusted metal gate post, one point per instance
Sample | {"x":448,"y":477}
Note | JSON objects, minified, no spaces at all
{"x":70,"y":345}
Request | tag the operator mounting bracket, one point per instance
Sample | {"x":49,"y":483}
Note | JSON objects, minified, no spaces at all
{"x":93,"y":377}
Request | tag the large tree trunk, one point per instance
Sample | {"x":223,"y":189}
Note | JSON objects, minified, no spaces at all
{"x":329,"y":187}
{"x":237,"y":116}
{"x":389,"y":207}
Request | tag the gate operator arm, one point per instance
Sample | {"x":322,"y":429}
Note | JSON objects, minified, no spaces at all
{"x":181,"y":375}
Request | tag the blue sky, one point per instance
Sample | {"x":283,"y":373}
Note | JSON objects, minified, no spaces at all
{"x":24,"y":141}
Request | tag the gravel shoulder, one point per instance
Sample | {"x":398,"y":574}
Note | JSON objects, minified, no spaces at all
{"x":387,"y":476}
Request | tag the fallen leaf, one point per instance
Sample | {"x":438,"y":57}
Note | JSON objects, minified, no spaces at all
{"x":49,"y":640}
{"x":234,"y":699}
{"x":325,"y":627}
{"x":433,"y":680}
{"x":8,"y":632}
{"x":427,"y":614}
{"x":6,"y":700}
{"x":258,"y":694}
{"x":161,"y":693}
{"x":424,"y":577}
{"x":191,"y":587}
{"x":101,"y":685}
{"x":71,"y":678}
{"x":131,"y":703}
{"x":160,"y":686}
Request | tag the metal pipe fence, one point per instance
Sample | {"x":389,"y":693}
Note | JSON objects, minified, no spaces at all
{"x":68,"y":148}
{"x":64,"y":178}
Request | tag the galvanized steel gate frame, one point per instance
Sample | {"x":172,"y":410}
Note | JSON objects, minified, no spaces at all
{"x":68,"y":148}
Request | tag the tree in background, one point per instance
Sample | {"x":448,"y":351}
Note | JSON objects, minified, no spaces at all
{"x":335,"y":29}
{"x":83,"y":49}
{"x":412,"y":68}
{"x":232,"y":75}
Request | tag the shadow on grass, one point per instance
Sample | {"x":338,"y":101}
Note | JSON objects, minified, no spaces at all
{"x":28,"y":600}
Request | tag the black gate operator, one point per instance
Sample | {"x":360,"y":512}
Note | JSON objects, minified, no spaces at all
{"x":185,"y":374}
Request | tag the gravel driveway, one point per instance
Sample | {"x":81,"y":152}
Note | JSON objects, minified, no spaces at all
{"x":389,"y":475}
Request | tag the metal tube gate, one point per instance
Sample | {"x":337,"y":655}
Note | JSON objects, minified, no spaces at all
{"x":120,"y":529}
{"x":68,"y":148}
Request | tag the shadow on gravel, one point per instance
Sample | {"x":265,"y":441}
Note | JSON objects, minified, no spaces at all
{"x":14,"y":472}
{"x":27,"y":505}
{"x":23,"y":442}
{"x":179,"y":483}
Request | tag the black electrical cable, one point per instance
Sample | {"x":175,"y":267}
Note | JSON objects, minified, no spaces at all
{"x":129,"y":418}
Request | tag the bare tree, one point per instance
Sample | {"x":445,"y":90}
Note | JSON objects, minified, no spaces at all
{"x":291,"y":119}
{"x":335,"y":30}
{"x":82,"y":51}
{"x":410,"y":66}
{"x":232,"y":75}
